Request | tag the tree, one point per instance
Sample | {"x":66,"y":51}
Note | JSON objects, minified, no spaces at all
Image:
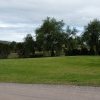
{"x":92,"y":36}
{"x":71,"y":38}
{"x":20,"y":50}
{"x":4,"y":50}
{"x":29,"y":46}
{"x":13,"y":46}
{"x":49,"y":36}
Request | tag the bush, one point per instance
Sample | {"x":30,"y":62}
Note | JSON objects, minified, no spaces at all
{"x":84,"y":51}
{"x":4,"y":50}
{"x":91,"y":52}
{"x":73,"y":52}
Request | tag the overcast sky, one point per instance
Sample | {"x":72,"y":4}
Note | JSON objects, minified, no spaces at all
{"x":21,"y":17}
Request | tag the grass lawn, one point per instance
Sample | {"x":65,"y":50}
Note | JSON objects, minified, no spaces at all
{"x":62,"y":70}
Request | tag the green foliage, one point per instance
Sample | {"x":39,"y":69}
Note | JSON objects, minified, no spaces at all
{"x":20,"y":50}
{"x":52,"y":39}
{"x":29,"y":46}
{"x":13,"y":46}
{"x":4,"y":50}
{"x":92,"y":35}
{"x":71,"y":38}
{"x":50,"y":35}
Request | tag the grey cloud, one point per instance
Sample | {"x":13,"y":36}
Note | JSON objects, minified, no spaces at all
{"x":31,"y":12}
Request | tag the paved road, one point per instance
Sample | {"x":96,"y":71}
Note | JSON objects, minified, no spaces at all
{"x":47,"y":92}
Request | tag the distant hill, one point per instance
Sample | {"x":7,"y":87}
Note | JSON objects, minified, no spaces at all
{"x":5,"y":42}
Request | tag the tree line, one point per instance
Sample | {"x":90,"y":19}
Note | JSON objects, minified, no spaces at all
{"x":53,"y":39}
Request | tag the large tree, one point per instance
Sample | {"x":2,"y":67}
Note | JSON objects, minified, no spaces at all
{"x":49,"y":36}
{"x":92,"y":35}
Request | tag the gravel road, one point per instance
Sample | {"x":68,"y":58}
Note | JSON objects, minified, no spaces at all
{"x":47,"y":92}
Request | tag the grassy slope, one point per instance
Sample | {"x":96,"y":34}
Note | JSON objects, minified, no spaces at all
{"x":61,"y":70}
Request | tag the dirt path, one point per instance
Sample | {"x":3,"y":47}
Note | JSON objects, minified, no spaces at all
{"x":47,"y":92}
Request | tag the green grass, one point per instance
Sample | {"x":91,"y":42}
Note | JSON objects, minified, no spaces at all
{"x":62,"y":70}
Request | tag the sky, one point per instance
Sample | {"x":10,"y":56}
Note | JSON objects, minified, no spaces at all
{"x":21,"y":17}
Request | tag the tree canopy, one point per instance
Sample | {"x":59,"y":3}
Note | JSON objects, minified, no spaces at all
{"x":55,"y":38}
{"x":50,"y":35}
{"x":92,"y":35}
